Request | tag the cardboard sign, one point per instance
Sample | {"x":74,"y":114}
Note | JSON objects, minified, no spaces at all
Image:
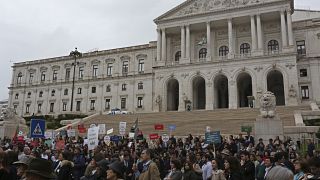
{"x":81,"y":128}
{"x":115,"y":138}
{"x":49,"y":134}
{"x":122,"y":128}
{"x":110,"y":131}
{"x":172,"y":127}
{"x":212,"y":137}
{"x":71,"y":132}
{"x":153,"y":136}
{"x":102,"y":128}
{"x":158,"y":127}
{"x":93,"y":137}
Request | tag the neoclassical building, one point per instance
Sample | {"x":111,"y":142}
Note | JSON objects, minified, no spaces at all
{"x":209,"y":54}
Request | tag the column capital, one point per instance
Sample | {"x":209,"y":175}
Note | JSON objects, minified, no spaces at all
{"x":208,"y":22}
{"x":182,"y":26}
{"x":282,"y":11}
{"x":289,"y":11}
{"x":229,"y":19}
{"x":252,"y":15}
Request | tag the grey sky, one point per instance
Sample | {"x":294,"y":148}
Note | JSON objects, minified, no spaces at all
{"x":36,"y":29}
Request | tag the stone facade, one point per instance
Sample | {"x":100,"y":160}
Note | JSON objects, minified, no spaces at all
{"x":209,"y":54}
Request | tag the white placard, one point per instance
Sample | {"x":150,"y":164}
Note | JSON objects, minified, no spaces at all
{"x":106,"y":139}
{"x":48,"y":134}
{"x":165,"y":138}
{"x":122,"y":128}
{"x":92,"y":125}
{"x":93,"y":135}
{"x":110,"y":131}
{"x":208,"y":129}
{"x":131,"y":135}
{"x":71,"y":132}
{"x":102,"y":128}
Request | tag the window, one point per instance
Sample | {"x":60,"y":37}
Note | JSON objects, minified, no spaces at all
{"x":19,"y":78}
{"x":43,"y":76}
{"x":28,"y":108}
{"x":79,"y":90}
{"x":15,"y":107}
{"x":30,"y":78}
{"x":203,"y":53}
{"x":177,"y":56}
{"x":109,"y":69}
{"x":305,"y":92}
{"x":65,"y":92}
{"x":80,"y":72}
{"x":51,"y":107}
{"x":68,"y":73}
{"x":93,"y":90}
{"x":223,"y":51}
{"x":94,"y":71}
{"x":107,"y":105}
{"x":16,"y":96}
{"x":303,"y":73}
{"x":301,"y":47}
{"x":140,"y":85}
{"x":245,"y":48}
{"x":39,"y":107}
{"x":140,"y":102}
{"x":108,"y":89}
{"x":53,"y":92}
{"x":64,"y":106}
{"x":141,"y":66}
{"x":125,"y":67}
{"x":273,"y":46}
{"x":55,"y":75}
{"x":124,"y":87}
{"x":123,"y":103}
{"x":78,"y":105}
{"x":40,"y":93}
{"x":29,"y":95}
{"x":92,"y":105}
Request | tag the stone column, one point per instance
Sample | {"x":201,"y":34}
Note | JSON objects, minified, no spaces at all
{"x":253,"y":34}
{"x":209,"y":95}
{"x":259,"y":32}
{"x":283,"y":30}
{"x":208,"y":41}
{"x":289,"y":24}
{"x":230,"y":33}
{"x":183,"y":42}
{"x":233,"y":103}
{"x":159,"y":45}
{"x":164,"y":46}
{"x":188,"y":42}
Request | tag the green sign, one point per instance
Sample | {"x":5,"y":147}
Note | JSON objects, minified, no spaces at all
{"x":247,"y":129}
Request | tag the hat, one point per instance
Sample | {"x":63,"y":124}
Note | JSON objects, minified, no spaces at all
{"x":103,"y":164}
{"x":25,"y":160}
{"x":225,"y":152}
{"x":41,"y":167}
{"x":117,"y":167}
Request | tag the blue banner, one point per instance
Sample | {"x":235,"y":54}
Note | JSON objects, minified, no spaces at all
{"x":172,"y":127}
{"x":37,"y":128}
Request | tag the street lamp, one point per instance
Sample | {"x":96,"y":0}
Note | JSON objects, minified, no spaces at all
{"x":76,"y":54}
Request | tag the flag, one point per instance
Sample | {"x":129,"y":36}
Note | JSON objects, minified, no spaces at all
{"x":135,"y":128}
{"x":15,"y":137}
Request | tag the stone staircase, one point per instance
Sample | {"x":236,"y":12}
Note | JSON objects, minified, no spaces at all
{"x":225,"y":120}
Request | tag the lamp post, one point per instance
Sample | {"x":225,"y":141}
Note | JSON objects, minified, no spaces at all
{"x":75,"y":54}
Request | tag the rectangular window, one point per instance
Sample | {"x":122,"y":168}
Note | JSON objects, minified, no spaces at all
{"x":39,"y":107}
{"x":92,"y":105}
{"x":51,"y":107}
{"x":140,"y":102}
{"x":123,"y":103}
{"x":124,"y":87}
{"x":93,"y":90}
{"x":29,"y":95}
{"x":40,"y":93}
{"x":16,"y":96}
{"x":68,"y":70}
{"x":140,"y":85}
{"x":107,"y":105}
{"x":79,"y":90}
{"x":303,"y":73}
{"x":108,"y":89}
{"x":301,"y":48}
{"x":43,"y":76}
{"x":15,"y":107}
{"x":109,"y":69}
{"x":305,"y":92}
{"x":55,"y":75}
{"x":53,"y":92}
{"x":30,"y":78}
{"x":125,"y":68}
{"x":28,"y":108}
{"x":141,"y":66}
{"x":64,"y":106}
{"x":94,"y":70}
{"x":78,"y":105}
{"x":80,"y":72}
{"x":65,"y":92}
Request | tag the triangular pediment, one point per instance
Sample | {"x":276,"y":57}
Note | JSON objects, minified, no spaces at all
{"x":195,"y":7}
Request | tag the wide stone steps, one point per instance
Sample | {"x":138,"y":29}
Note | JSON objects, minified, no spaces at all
{"x":225,"y":120}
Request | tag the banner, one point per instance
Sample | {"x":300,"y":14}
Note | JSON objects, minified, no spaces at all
{"x":93,"y":137}
{"x":212,"y":137}
{"x":153,"y":136}
{"x":37,"y":128}
{"x":122,"y":128}
{"x":110,"y":131}
{"x":81,"y":128}
{"x":102,"y":128}
{"x":158,"y":127}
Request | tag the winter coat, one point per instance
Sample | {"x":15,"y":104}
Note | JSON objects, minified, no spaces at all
{"x":64,"y":172}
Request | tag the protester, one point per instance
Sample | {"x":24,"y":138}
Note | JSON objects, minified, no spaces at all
{"x":115,"y":171}
{"x":189,"y":173}
{"x":279,"y":172}
{"x":175,"y":172}
{"x":247,"y":166}
{"x":22,"y":166}
{"x":40,"y":169}
{"x":217,"y":174}
{"x":64,"y":169}
{"x":232,"y":169}
{"x":150,"y":169}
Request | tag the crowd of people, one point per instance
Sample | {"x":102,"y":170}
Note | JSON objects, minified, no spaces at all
{"x":189,"y":158}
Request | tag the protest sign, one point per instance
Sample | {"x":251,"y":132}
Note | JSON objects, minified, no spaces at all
{"x":93,"y":135}
{"x":122,"y":128}
{"x":102,"y":128}
{"x":110,"y":131}
{"x":212,"y":137}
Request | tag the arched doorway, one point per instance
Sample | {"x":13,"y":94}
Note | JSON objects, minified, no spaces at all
{"x":244,"y":85}
{"x":221,"y":92}
{"x":275,"y":85}
{"x":199,"y":93}
{"x":172,"y":95}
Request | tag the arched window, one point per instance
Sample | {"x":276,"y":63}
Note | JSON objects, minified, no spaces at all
{"x":244,"y":48}
{"x":203,"y":53}
{"x":19,"y":78}
{"x":177,"y":56}
{"x":40,"y":93}
{"x":66,"y":92}
{"x":223,"y":51}
{"x":53,"y":92}
{"x":29,"y":95}
{"x":273,"y":46}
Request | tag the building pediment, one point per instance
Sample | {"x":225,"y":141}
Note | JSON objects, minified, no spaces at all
{"x":198,"y":7}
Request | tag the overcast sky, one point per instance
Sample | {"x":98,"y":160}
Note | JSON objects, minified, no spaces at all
{"x":36,"y":29}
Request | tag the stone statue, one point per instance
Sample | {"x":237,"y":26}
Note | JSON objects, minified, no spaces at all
{"x":159,"y":102}
{"x":268,"y":105}
{"x":9,"y":116}
{"x":292,"y":92}
{"x":9,"y":123}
